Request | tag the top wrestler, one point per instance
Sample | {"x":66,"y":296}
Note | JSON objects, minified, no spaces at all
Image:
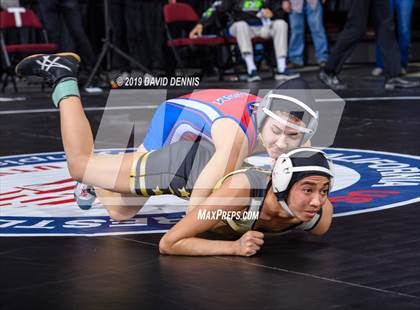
{"x":224,"y":117}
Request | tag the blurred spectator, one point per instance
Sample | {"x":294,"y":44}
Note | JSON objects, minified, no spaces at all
{"x":250,"y":19}
{"x":312,"y":11}
{"x":5,"y":4}
{"x":152,"y":33}
{"x":137,"y":28}
{"x":354,"y":30}
{"x":212,"y":20}
{"x":59,"y":13}
{"x":403,"y":10}
{"x":124,"y":16}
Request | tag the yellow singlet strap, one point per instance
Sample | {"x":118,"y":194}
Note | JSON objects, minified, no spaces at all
{"x":220,"y":182}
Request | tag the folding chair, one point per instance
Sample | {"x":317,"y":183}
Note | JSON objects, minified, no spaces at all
{"x":179,"y":20}
{"x":12,"y":22}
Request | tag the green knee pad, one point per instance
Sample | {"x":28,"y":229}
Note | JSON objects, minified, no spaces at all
{"x":65,"y":88}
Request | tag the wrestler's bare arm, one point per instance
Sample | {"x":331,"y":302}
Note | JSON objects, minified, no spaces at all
{"x":182,"y":238}
{"x":231,"y":150}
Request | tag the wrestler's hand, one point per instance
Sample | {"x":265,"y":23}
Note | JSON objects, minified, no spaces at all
{"x":249,"y":243}
{"x":196,"y":32}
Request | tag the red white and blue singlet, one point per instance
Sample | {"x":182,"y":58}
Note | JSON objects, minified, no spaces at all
{"x":192,"y":115}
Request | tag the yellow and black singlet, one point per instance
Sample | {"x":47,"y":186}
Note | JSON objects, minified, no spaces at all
{"x":171,"y":170}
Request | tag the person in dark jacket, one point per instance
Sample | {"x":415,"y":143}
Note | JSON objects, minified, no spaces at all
{"x":354,"y":29}
{"x":250,"y":19}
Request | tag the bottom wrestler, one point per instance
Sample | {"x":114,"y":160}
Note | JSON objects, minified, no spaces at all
{"x":292,"y":197}
{"x":295,"y":196}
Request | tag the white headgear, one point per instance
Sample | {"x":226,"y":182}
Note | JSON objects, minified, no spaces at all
{"x":277,"y":100}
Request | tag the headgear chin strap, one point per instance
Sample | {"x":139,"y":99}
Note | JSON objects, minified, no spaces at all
{"x":294,"y":165}
{"x":266,"y":108}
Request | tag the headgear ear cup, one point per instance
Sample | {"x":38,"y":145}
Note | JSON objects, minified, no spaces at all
{"x":296,"y":164}
{"x":282,"y":173}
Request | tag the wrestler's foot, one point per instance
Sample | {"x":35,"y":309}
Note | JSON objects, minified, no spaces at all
{"x":85,"y":195}
{"x":52,"y":67}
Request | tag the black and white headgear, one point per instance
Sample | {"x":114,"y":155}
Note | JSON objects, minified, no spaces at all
{"x":296,"y":165}
{"x":296,"y":102}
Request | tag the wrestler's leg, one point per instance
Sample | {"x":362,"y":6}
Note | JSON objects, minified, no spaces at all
{"x":141,"y":149}
{"x":106,"y":171}
{"x":120,"y":206}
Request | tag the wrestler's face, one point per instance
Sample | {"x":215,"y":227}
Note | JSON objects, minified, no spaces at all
{"x":307,"y":196}
{"x":278,"y":138}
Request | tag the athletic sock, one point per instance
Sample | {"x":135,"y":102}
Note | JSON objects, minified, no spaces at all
{"x":250,"y":64}
{"x":67,"y":87}
{"x":281,"y":64}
